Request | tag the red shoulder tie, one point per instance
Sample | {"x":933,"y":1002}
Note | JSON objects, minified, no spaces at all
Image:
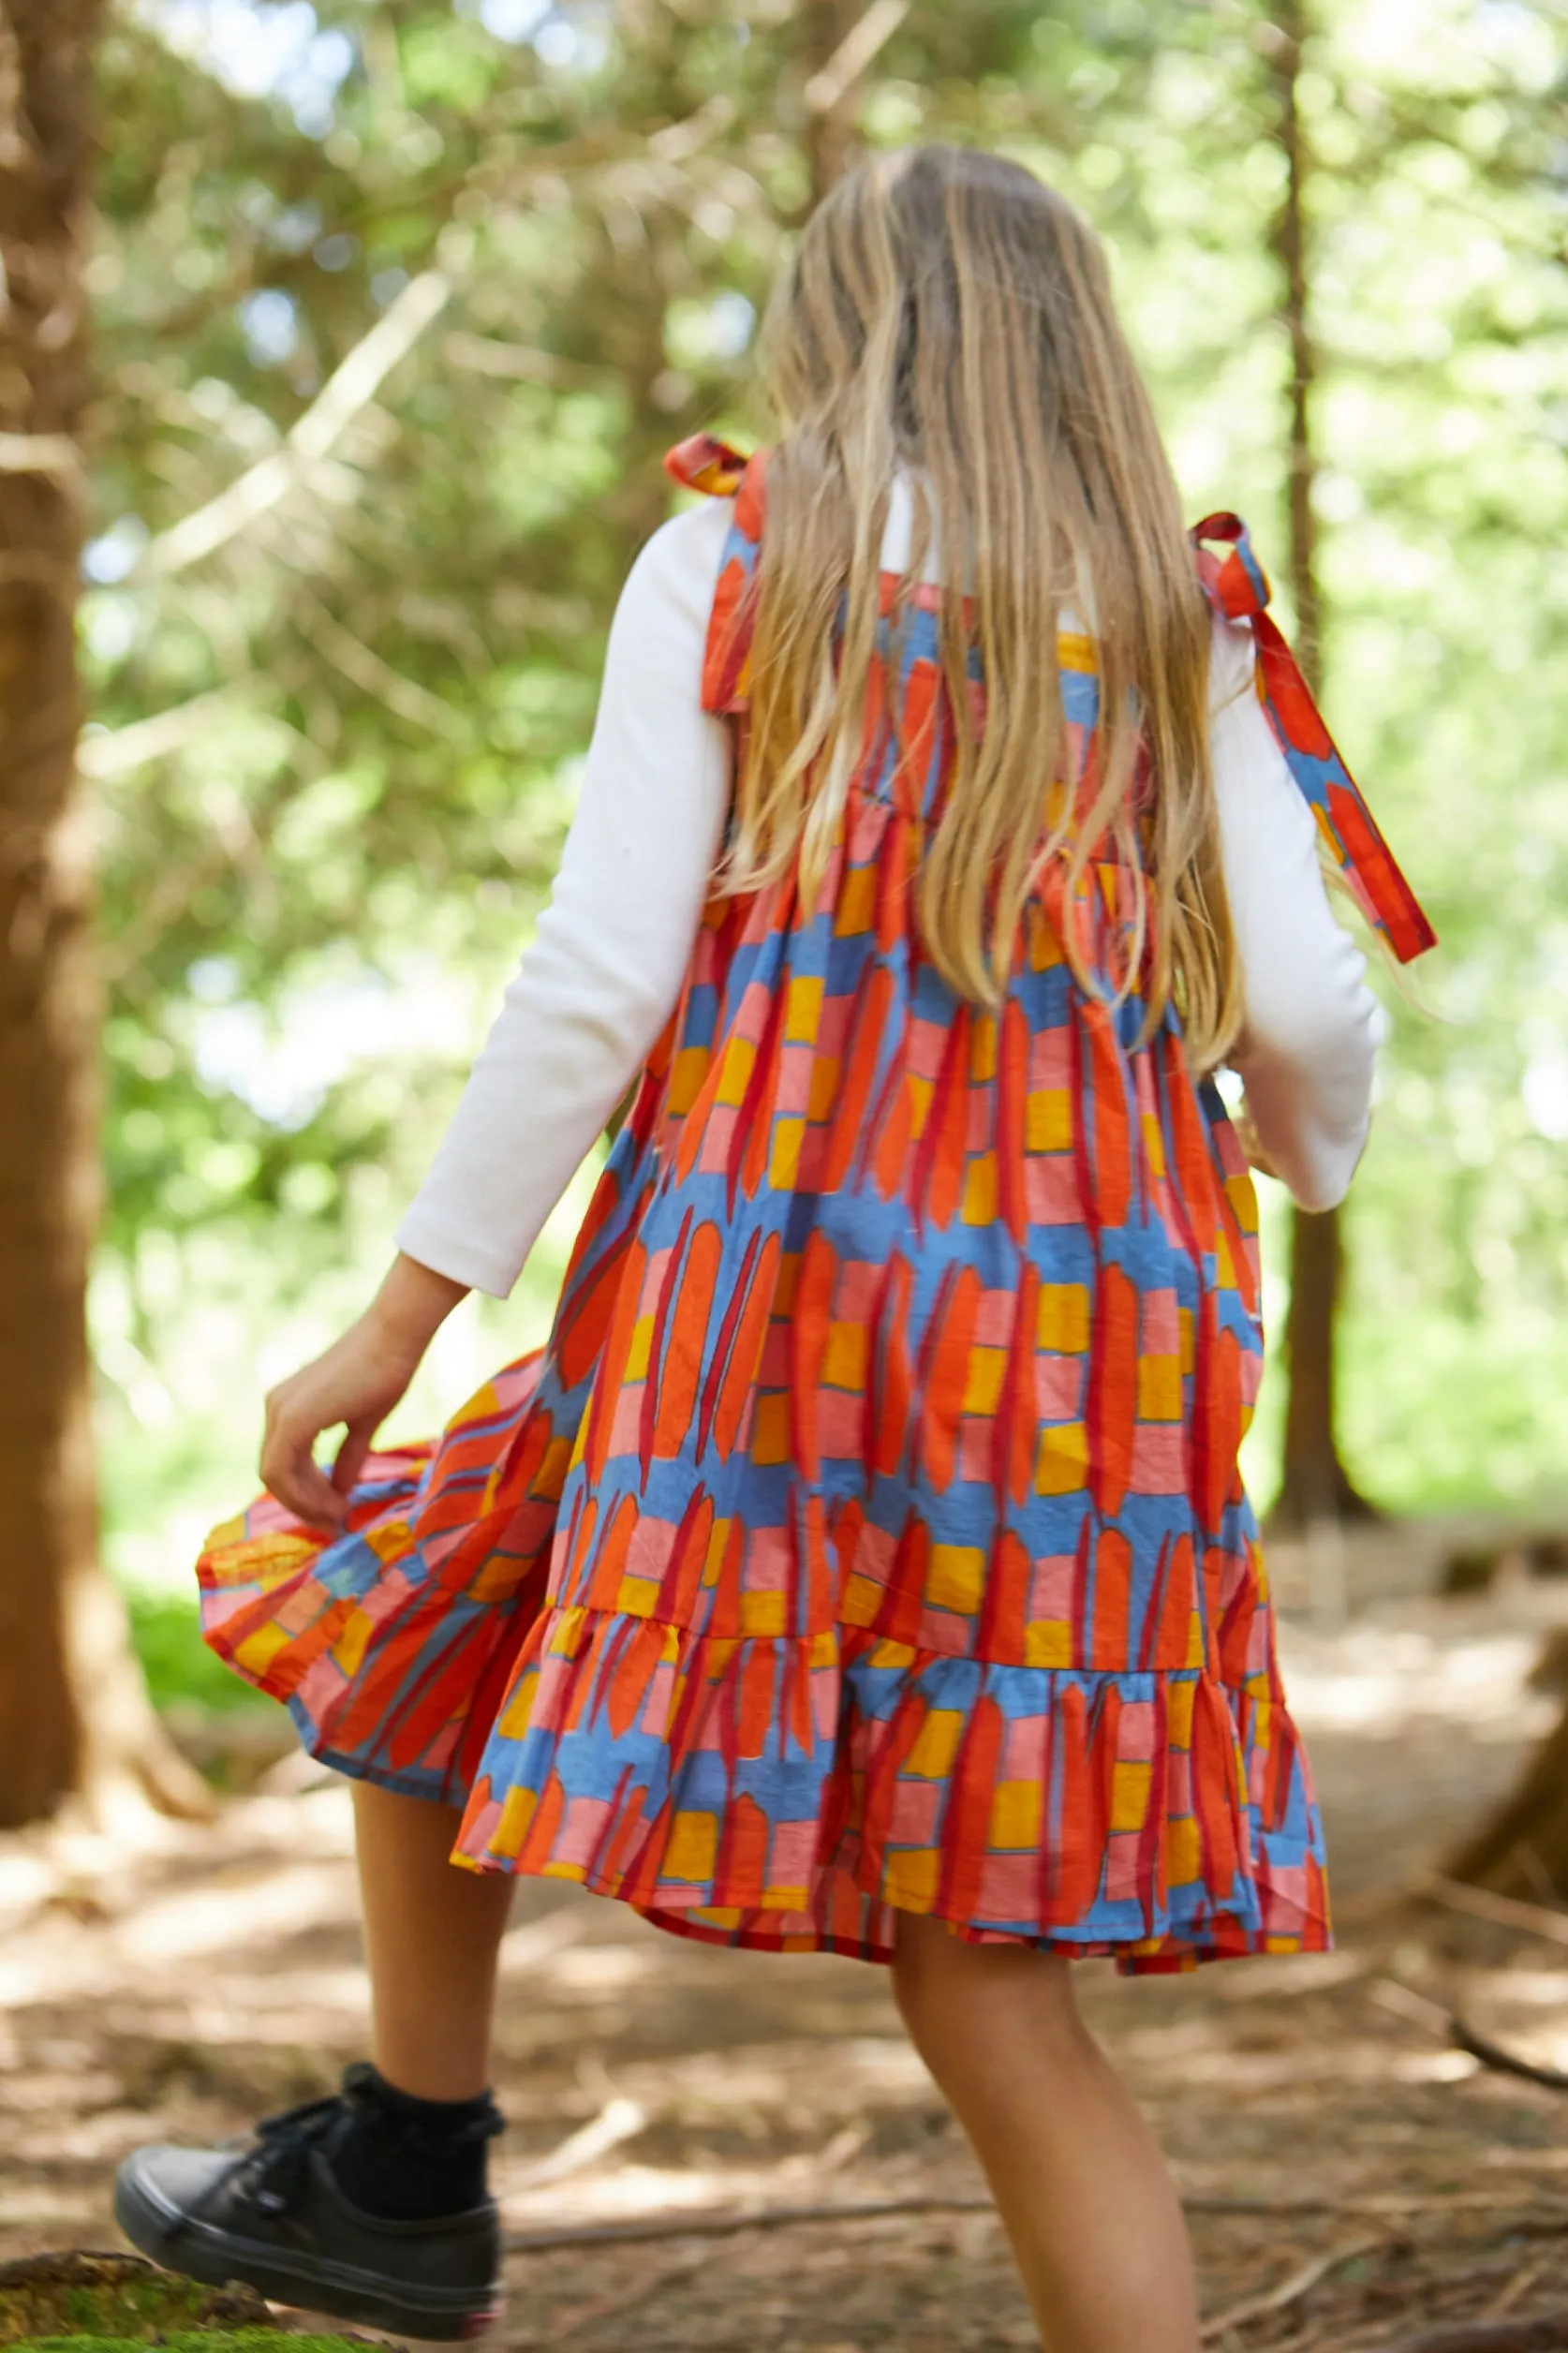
{"x":707,"y":463}
{"x":1236,"y":585}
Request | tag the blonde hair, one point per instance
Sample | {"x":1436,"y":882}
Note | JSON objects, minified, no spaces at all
{"x":948,"y":319}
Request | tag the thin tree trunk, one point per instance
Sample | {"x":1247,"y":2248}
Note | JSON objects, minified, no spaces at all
{"x":828,"y":131}
{"x":1316,"y":1485}
{"x":74,"y":1715}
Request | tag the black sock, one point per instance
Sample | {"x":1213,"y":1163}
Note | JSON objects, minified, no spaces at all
{"x":403,"y":2159}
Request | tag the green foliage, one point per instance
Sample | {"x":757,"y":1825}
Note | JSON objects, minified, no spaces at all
{"x":335,"y":752}
{"x":165,"y":1631}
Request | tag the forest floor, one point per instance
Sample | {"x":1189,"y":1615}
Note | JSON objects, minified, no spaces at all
{"x":1354,"y":2179}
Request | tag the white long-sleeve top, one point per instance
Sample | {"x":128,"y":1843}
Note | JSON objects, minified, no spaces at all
{"x":604,"y":974}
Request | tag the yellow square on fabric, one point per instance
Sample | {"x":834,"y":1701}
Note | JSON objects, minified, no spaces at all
{"x":1188,"y":1324}
{"x":1063,"y":1461}
{"x":770,"y":1430}
{"x":639,"y":1351}
{"x":935,"y":1744}
{"x":1180,"y":1697}
{"x":637,"y":1596}
{"x":1183,"y":1852}
{"x":1243,"y":1200}
{"x":348,"y":1649}
{"x":987,"y":1371}
{"x":1015,"y":1814}
{"x":911,"y":1878}
{"x":693,"y":1847}
{"x":844,"y":1357}
{"x":259,"y":1650}
{"x":1154,"y":1145}
{"x":549,"y":1477}
{"x":857,"y":902}
{"x":784,"y":1161}
{"x":802,"y":1009}
{"x":983,"y":1049}
{"x":892,"y":1657}
{"x":1063,"y":1325}
{"x":1048,"y":1642}
{"x":861,"y":1600}
{"x":980,"y":1191}
{"x":740,"y":1055}
{"x":921,"y":1092}
{"x":1049,"y":1120}
{"x":517,"y":1812}
{"x":713,"y":1561}
{"x":513,"y":1719}
{"x":687,"y":1074}
{"x":825,"y":1073}
{"x":783,"y":1899}
{"x":1159,"y":1389}
{"x":763,"y":1613}
{"x":1129,"y":1786}
{"x":1043,"y":946}
{"x":955,"y":1578}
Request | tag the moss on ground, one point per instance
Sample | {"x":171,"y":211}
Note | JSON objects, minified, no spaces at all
{"x":197,"y":2341}
{"x":79,"y":2298}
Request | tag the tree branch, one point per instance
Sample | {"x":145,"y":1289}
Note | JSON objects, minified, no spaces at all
{"x":349,"y":390}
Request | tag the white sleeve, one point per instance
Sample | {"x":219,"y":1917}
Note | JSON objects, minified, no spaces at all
{"x":609,"y":954}
{"x":1305,"y":1053}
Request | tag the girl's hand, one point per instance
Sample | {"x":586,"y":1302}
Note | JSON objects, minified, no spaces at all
{"x":358,"y":1381}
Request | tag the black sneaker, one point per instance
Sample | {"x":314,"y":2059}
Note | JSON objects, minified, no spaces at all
{"x":271,"y":2216}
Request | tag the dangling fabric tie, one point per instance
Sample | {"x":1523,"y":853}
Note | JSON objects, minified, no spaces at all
{"x":1236,"y":585}
{"x":704,"y":462}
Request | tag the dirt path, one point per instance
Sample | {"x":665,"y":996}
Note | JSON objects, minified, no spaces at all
{"x":648,"y":2079}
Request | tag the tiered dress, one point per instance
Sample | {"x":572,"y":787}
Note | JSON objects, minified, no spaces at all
{"x":869,"y":1536}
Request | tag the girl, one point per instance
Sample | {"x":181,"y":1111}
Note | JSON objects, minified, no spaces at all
{"x":863,"y":1565}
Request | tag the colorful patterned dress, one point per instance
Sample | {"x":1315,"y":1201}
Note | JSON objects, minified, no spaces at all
{"x":868,"y":1536}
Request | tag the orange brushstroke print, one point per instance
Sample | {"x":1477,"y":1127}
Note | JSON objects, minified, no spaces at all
{"x":838,"y":1554}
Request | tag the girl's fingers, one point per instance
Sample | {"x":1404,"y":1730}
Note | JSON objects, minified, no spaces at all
{"x":351,"y":1455}
{"x":290,"y":1472}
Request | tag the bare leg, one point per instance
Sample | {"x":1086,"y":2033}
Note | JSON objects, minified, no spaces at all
{"x":431,"y":1933}
{"x":1081,"y":2186}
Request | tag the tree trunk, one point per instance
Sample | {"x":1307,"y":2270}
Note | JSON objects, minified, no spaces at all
{"x":74,"y":1716}
{"x":1521,"y":1849}
{"x":1316,"y":1485}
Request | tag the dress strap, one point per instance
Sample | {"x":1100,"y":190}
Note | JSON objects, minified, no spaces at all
{"x":712,"y":466}
{"x":1237,"y":587}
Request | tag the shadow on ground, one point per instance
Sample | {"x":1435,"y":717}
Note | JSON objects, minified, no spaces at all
{"x":1354,"y":2178}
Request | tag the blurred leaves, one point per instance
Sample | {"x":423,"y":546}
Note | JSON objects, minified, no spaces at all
{"x":334,"y":753}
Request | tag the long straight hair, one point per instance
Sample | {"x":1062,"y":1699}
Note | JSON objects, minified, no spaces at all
{"x":948,"y":319}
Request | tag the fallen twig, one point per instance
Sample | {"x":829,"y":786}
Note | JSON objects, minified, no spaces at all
{"x":1290,"y":2291}
{"x":618,"y":2121}
{"x":1506,"y":2062}
{"x":1522,"y":2282}
{"x":730,"y":2222}
{"x":1534,"y":1919}
{"x":1548,"y":2332}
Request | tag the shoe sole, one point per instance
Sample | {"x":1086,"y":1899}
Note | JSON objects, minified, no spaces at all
{"x":199,"y":2250}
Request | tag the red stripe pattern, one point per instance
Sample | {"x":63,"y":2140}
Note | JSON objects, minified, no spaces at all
{"x":869,"y":1536}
